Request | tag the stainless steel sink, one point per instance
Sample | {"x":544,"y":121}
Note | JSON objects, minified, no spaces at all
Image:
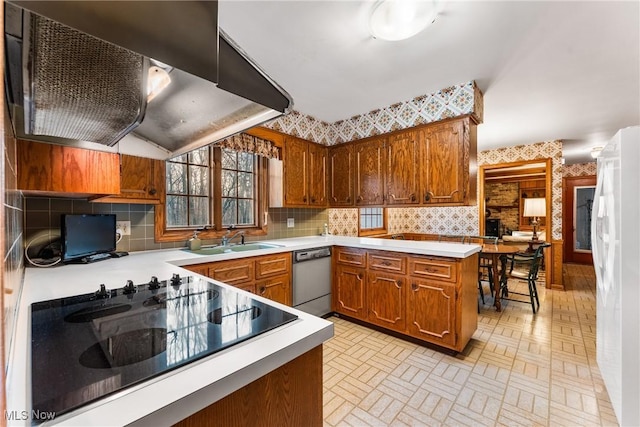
{"x":216,"y":250}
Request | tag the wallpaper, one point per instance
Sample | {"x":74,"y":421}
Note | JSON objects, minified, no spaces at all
{"x":580,"y":169}
{"x":453,"y":101}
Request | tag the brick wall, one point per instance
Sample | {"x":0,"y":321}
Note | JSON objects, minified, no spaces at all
{"x":502,"y":201}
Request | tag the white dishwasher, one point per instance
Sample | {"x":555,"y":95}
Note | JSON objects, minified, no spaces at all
{"x":312,"y":280}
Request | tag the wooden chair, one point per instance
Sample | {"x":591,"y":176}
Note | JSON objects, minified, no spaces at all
{"x":485,"y":264}
{"x":451,"y":238}
{"x":532,"y":263}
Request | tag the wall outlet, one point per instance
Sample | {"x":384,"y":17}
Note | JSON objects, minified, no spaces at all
{"x":290,"y":223}
{"x":124,"y":227}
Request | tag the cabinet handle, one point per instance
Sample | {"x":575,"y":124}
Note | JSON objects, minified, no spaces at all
{"x":399,"y":283}
{"x":313,"y":200}
{"x":153,"y":191}
{"x":427,"y":197}
{"x":359,"y":199}
{"x":412,"y":197}
{"x":304,"y":199}
{"x":262,"y":290}
{"x":359,"y":276}
{"x":414,"y":287}
{"x":349,"y":199}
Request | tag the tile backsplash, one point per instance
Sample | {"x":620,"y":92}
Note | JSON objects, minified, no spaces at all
{"x":43,"y":219}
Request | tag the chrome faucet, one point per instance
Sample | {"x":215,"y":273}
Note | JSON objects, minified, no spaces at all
{"x":226,"y":240}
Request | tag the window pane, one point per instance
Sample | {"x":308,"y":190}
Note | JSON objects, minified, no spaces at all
{"x":229,"y":211}
{"x":182,"y":158}
{"x":229,"y":159}
{"x":229,"y":183}
{"x":176,"y":211}
{"x":199,"y":183}
{"x":245,"y":185}
{"x":245,"y":212}
{"x":245,"y":162}
{"x":176,"y":178}
{"x":198,"y":211}
{"x":199,"y":156}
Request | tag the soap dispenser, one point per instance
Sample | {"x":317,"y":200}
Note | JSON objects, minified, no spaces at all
{"x":195,"y":243}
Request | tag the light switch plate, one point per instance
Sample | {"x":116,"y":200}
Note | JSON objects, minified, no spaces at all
{"x":290,"y":223}
{"x":124,"y":227}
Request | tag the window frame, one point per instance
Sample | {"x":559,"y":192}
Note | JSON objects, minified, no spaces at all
{"x":175,"y":234}
{"x":373,"y":231}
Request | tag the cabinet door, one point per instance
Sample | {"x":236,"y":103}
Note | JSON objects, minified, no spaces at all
{"x":317,"y":175}
{"x":401,"y":174}
{"x":341,"y":175}
{"x":295,"y":160}
{"x":431,"y":314}
{"x":386,"y":300}
{"x":276,"y":288}
{"x":349,"y":291}
{"x":56,"y":170}
{"x":369,"y":156}
{"x":140,"y":178}
{"x":444,"y":163}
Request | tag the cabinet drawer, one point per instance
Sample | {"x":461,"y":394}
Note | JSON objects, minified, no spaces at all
{"x":272,"y":265}
{"x":433,"y":268}
{"x":232,"y":272}
{"x":388,"y":261}
{"x":349,"y":256}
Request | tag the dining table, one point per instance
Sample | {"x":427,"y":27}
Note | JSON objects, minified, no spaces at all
{"x":498,"y":255}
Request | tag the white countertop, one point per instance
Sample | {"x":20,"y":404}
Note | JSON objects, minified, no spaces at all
{"x":177,"y":394}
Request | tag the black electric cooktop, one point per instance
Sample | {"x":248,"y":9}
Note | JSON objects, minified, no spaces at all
{"x":86,"y":347}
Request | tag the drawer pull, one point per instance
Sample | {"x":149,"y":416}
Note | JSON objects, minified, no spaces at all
{"x":386,"y":263}
{"x":399,"y":283}
{"x":414,"y":287}
{"x":262,"y":290}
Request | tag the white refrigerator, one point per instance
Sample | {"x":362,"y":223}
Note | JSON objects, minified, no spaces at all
{"x":615,"y":234}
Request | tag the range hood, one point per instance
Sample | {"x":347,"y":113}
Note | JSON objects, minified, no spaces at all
{"x":77,"y":72}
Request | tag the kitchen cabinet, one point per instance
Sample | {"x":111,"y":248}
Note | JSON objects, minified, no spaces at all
{"x":386,"y":300}
{"x":341,"y":164}
{"x":142,"y":180}
{"x":276,"y":288}
{"x":433,"y":299}
{"x":63,"y":171}
{"x":267,"y":275}
{"x":305,"y":173}
{"x":402,"y":166}
{"x":448,"y":157}
{"x":431,"y":311}
{"x":349,"y":291}
{"x":369,"y":172}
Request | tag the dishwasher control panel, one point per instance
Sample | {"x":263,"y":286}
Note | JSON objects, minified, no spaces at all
{"x":311,"y":254}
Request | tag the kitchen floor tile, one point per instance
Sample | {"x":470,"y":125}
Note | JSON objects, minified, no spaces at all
{"x":518,"y":369}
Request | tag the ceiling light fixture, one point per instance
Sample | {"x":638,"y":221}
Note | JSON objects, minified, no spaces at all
{"x":595,"y":152}
{"x":157,"y":80}
{"x":400,"y":19}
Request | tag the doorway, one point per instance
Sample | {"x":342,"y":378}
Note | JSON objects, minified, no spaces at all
{"x":577,"y":200}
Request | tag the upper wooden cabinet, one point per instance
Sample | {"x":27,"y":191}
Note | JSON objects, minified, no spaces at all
{"x":305,"y":173}
{"x":433,"y":164}
{"x":141,"y":181}
{"x":341,"y":175}
{"x":448,"y":159}
{"x":369,"y":172}
{"x":402,"y":165}
{"x":47,"y":169}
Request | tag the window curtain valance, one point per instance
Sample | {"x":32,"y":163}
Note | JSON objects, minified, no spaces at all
{"x":251,"y":144}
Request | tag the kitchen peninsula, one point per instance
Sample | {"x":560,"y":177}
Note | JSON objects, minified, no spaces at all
{"x":201,"y":385}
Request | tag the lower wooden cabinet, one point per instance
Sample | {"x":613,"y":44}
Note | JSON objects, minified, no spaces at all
{"x":433,"y":299}
{"x":276,"y":289}
{"x":386,"y":300}
{"x":268,"y":275}
{"x":349,"y":291}
{"x":431,"y":311}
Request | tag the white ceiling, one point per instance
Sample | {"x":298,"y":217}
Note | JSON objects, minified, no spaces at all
{"x":548,"y":70}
